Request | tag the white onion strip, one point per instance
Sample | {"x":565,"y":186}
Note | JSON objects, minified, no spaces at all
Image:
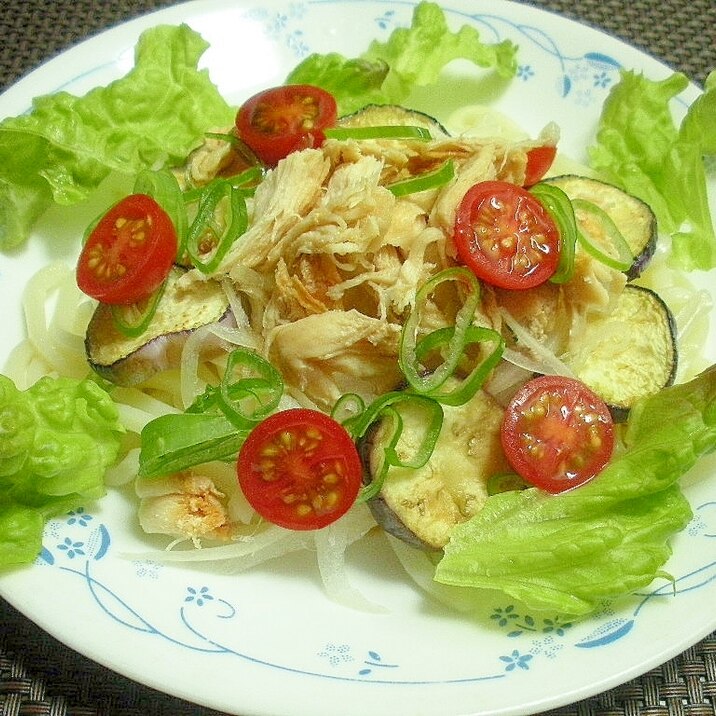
{"x":332,"y":544}
{"x":421,"y":570}
{"x":245,"y":552}
{"x":542,"y":359}
{"x":57,"y":337}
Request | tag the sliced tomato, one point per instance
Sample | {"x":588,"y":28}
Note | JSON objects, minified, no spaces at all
{"x":557,"y":433}
{"x":539,"y":160}
{"x":129,"y":253}
{"x":505,"y":236}
{"x":281,"y":120}
{"x":300,"y":469}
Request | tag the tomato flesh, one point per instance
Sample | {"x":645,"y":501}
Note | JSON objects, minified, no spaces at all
{"x":556,"y":433}
{"x":505,"y":236}
{"x":129,"y":252}
{"x":300,"y":469}
{"x":281,"y":120}
{"x":539,"y":160}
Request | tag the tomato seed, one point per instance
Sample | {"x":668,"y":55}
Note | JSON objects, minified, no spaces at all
{"x":286,"y":439}
{"x":270,"y":450}
{"x":331,"y":499}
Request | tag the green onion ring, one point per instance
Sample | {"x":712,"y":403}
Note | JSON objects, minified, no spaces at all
{"x":164,"y":188}
{"x":386,"y":407}
{"x":264,"y":386}
{"x":347,"y":407}
{"x":408,"y":359}
{"x":624,"y":258}
{"x":468,"y":386}
{"x":177,"y":441}
{"x":236,"y":224}
{"x":390,"y":131}
{"x":430,"y":180}
{"x":133,"y":328}
{"x":559,"y":207}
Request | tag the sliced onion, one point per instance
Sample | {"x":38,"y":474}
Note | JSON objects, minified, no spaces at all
{"x":332,"y":543}
{"x":542,"y":359}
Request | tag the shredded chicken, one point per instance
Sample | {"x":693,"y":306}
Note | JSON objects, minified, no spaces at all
{"x":183,"y":505}
{"x":326,"y":355}
{"x":341,"y":258}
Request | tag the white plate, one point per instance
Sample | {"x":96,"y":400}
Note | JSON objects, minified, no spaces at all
{"x":269,"y":642}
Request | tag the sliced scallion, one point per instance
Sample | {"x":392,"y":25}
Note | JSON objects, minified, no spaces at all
{"x":210,"y":227}
{"x":408,"y":359}
{"x":216,"y":424}
{"x":255,"y":394}
{"x":347,"y":407}
{"x":559,"y":207}
{"x":429,"y":180}
{"x":175,"y":442}
{"x":465,"y":388}
{"x":240,"y":147}
{"x":132,"y":320}
{"x":252,"y":175}
{"x":624,"y":258}
{"x":164,"y":188}
{"x":250,"y":390}
{"x":387,"y":407}
{"x":222,"y":137}
{"x":390,"y":131}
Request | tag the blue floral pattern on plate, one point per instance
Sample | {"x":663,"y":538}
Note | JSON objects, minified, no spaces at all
{"x":75,"y":544}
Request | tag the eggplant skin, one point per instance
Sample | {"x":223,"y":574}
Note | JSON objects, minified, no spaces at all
{"x":382,"y":513}
{"x":631,"y":353}
{"x":422,"y":506}
{"x":185,"y":306}
{"x":633,"y":217}
{"x":376,"y":115}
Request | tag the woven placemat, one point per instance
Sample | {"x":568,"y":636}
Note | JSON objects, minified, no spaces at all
{"x":39,"y":676}
{"x":681,"y":33}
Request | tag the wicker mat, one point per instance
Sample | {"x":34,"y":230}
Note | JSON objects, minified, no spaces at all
{"x":38,"y":675}
{"x":681,"y":33}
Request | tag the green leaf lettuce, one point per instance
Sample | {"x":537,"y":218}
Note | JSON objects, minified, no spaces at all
{"x":639,"y":148}
{"x":57,"y":439}
{"x":66,"y":145}
{"x":412,"y":56}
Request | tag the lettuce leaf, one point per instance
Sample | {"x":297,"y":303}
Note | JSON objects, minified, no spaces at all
{"x":414,"y":56}
{"x":57,"y":438}
{"x":639,"y":148}
{"x":64,"y":148}
{"x":567,"y":552}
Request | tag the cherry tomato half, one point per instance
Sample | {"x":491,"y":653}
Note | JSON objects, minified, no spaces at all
{"x":299,"y":469}
{"x":281,"y":120}
{"x":505,"y":236}
{"x":556,"y":433}
{"x":539,"y":160}
{"x":128,"y":253}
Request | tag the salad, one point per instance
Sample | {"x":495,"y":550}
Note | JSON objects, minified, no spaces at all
{"x":330,"y":294}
